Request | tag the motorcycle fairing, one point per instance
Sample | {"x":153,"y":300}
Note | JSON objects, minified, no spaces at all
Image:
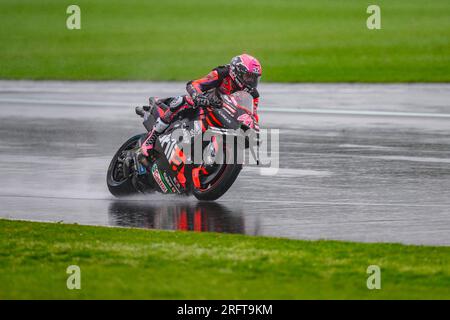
{"x":170,"y":170}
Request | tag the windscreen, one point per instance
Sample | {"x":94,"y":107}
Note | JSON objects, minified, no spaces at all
{"x":243,"y":99}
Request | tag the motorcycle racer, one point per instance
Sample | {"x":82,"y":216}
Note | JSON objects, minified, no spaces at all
{"x":243,"y":73}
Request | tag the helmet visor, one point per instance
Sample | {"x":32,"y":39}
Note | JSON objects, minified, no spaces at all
{"x":251,"y":80}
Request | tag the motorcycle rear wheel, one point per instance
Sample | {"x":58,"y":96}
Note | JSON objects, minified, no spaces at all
{"x":121,"y":187}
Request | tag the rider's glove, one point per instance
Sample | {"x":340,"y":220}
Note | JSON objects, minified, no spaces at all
{"x":201,"y":100}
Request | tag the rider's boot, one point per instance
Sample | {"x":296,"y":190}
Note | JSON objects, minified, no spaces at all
{"x":149,"y":143}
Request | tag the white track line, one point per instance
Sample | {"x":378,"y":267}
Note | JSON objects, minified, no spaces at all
{"x":360,"y":112}
{"x":269,"y":109}
{"x":65,"y":102}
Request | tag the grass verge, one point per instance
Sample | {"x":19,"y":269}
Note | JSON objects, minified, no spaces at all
{"x":141,"y":264}
{"x":296,"y":41}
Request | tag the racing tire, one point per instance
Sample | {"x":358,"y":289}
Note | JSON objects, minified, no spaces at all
{"x":221,"y":185}
{"x":123,"y":187}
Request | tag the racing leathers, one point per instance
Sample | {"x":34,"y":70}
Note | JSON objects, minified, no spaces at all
{"x":201,"y":92}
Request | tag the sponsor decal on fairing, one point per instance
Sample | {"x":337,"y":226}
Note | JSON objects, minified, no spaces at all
{"x":157,"y":177}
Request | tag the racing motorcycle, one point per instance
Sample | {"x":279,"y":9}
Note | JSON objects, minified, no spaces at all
{"x":220,"y":134}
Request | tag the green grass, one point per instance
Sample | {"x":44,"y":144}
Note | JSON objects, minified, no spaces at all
{"x":296,"y":41}
{"x":132,"y":263}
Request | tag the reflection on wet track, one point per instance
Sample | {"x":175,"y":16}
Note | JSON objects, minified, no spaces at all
{"x":197,"y":216}
{"x":357,"y":162}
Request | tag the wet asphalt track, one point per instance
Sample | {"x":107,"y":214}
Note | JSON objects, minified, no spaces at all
{"x":358,"y":162}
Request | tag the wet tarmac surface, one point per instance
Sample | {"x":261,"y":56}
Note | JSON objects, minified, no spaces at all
{"x":358,"y":162}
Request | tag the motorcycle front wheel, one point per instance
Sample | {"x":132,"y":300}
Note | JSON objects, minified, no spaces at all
{"x":218,"y":180}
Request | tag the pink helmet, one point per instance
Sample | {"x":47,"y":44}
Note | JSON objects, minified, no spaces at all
{"x":245,"y":71}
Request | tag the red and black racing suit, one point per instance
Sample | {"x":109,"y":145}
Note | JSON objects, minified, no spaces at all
{"x":218,"y":81}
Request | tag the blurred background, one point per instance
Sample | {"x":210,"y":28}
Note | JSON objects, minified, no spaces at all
{"x":296,"y":41}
